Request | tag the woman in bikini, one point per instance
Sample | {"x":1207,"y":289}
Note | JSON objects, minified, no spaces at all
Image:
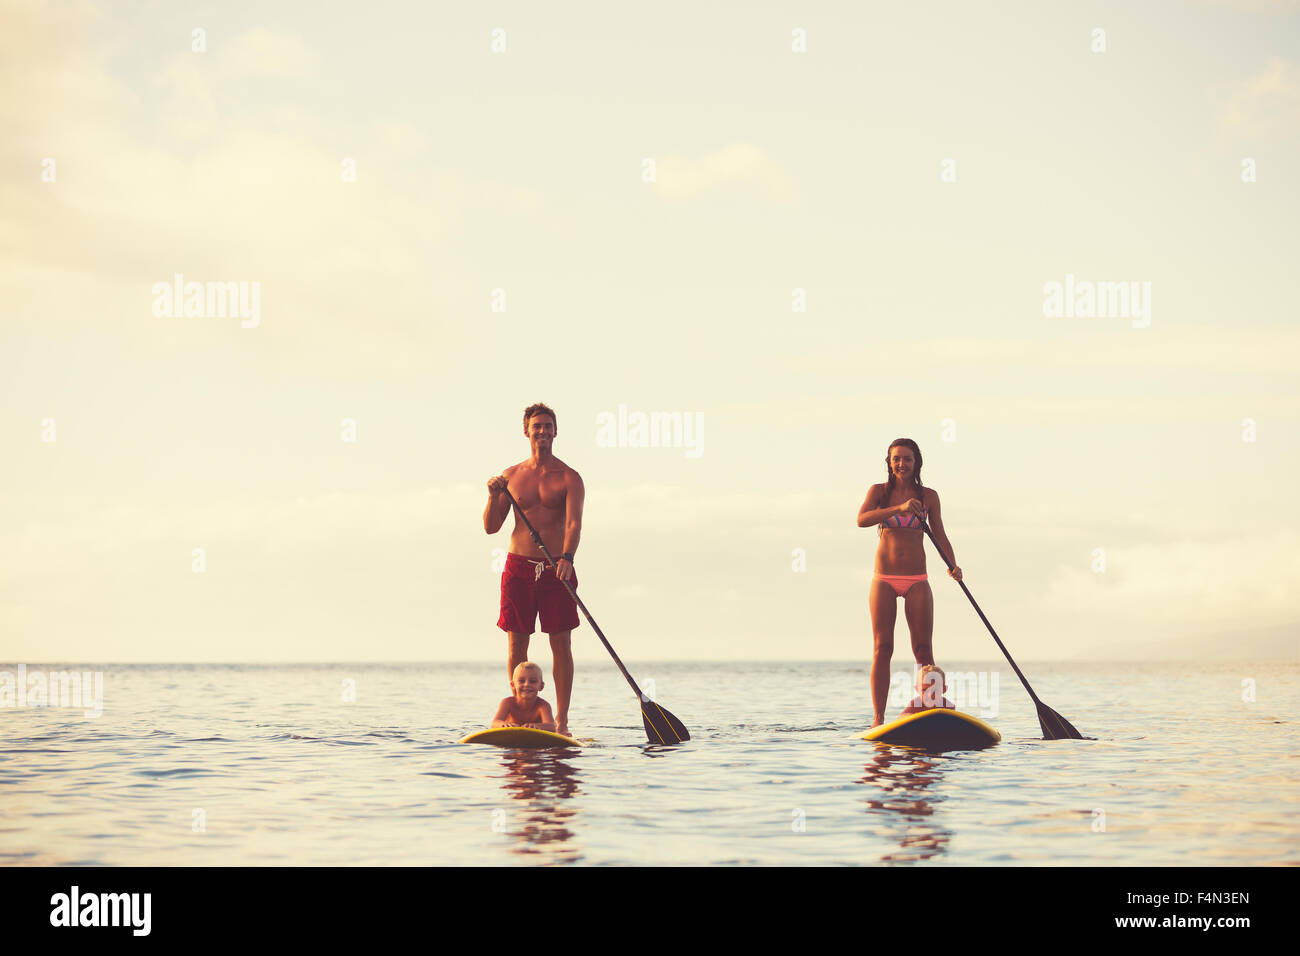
{"x":900,"y":506}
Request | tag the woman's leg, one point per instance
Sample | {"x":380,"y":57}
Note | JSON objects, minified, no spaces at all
{"x":918,"y":606}
{"x":884,"y":609}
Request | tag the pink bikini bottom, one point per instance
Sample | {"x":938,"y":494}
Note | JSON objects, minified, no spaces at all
{"x":900,"y":582}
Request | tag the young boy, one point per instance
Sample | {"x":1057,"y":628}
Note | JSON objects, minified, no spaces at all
{"x":929,"y":682}
{"x":525,"y":708}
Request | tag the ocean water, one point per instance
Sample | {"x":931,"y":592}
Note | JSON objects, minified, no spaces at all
{"x":270,"y":765}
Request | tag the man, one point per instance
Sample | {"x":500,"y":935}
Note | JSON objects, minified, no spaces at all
{"x":551,"y":495}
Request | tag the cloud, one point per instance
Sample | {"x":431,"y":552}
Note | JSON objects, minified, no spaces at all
{"x":1219,"y":349}
{"x":222,"y":166}
{"x":738,"y":163}
{"x":1270,"y":7}
{"x":307,"y":521}
{"x":43,"y":67}
{"x":262,"y":53}
{"x":1214,"y":582}
{"x":1267,"y":102}
{"x":201,"y":94}
{"x":1112,"y":375}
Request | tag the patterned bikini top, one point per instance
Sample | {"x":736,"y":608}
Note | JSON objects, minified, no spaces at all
{"x":908,"y":520}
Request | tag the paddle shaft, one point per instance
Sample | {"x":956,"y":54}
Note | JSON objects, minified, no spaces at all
{"x":574,"y":594}
{"x":971,"y":598}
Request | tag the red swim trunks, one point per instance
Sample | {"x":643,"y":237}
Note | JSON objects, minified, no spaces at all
{"x":530,"y":587}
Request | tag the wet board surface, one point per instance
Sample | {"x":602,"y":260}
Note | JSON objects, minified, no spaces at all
{"x":519,"y":737}
{"x":938,"y":729}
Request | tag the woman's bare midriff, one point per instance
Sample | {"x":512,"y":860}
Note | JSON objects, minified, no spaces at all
{"x":901,"y":551}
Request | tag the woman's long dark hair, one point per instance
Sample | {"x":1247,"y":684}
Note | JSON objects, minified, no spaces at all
{"x":916,"y":472}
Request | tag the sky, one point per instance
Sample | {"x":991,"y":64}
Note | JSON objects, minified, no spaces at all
{"x":808,"y":231}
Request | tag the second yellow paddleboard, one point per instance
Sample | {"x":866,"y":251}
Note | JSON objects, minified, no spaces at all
{"x":939,"y":729}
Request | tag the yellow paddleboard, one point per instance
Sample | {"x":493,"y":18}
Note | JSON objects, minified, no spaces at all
{"x":519,"y":737}
{"x":937,"y":729}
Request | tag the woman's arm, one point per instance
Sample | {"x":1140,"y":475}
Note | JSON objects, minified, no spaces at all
{"x":871,"y":513}
{"x":940,"y":537}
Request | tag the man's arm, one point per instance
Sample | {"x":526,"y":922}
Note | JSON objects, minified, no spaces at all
{"x":498,"y":506}
{"x":574,"y":494}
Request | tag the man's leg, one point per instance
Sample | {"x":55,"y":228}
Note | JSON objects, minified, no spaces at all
{"x":518,"y":652}
{"x":562,"y":672}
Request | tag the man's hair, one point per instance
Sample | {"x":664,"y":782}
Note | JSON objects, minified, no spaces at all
{"x":539,"y":409}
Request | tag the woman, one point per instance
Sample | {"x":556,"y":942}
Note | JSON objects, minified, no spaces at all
{"x":900,"y":506}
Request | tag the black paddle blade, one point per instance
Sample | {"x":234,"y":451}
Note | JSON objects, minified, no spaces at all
{"x":662,"y":727}
{"x":1056,"y":727}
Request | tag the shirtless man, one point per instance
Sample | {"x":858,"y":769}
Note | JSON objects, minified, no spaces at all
{"x":551,"y":494}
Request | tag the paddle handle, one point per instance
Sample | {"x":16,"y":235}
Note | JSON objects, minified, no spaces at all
{"x":574,"y":594}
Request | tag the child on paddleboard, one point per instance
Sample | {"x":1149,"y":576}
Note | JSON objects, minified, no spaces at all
{"x":929,"y":682}
{"x":525,"y":708}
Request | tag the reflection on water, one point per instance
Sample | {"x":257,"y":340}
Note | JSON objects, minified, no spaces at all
{"x":544,"y":781}
{"x":274,"y":760}
{"x":903,"y":776}
{"x":659,"y":750}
